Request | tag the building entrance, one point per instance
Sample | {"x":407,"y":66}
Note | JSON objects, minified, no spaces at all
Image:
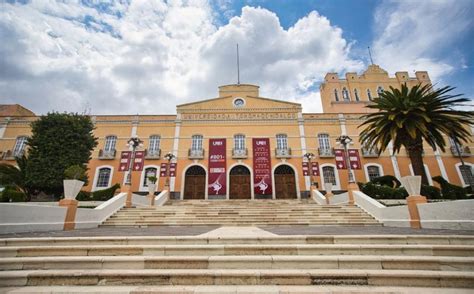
{"x":195,"y":183}
{"x":240,"y":183}
{"x":285,"y":182}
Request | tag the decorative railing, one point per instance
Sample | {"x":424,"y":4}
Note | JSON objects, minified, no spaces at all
{"x":196,"y":154}
{"x":283,"y":152}
{"x":370,"y":152}
{"x":239,"y":153}
{"x":10,"y":155}
{"x":464,"y":151}
{"x":152,"y":154}
{"x":107,"y":154}
{"x":326,"y":152}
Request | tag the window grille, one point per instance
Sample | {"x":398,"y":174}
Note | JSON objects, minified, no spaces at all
{"x":110,"y":142}
{"x":103,"y":178}
{"x":282,"y":141}
{"x":239,"y":142}
{"x":149,"y":172}
{"x":196,"y":142}
{"x":373,"y":172}
{"x":324,"y":143}
{"x":154,"y":144}
{"x":329,"y":175}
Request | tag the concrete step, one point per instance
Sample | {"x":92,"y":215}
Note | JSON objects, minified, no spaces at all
{"x":375,"y":262}
{"x":238,"y":277}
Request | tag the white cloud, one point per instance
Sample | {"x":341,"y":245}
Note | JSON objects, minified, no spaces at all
{"x":415,"y":35}
{"x":146,"y":57}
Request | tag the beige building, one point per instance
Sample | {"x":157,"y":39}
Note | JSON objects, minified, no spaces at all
{"x":241,"y":145}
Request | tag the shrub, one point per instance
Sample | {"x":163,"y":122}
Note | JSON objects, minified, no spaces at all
{"x":76,"y":172}
{"x":11,"y":195}
{"x":106,"y":194}
{"x":387,"y":180}
{"x":84,"y":196}
{"x":450,"y":191}
{"x":152,"y":179}
{"x":430,"y":192}
{"x":382,"y":192}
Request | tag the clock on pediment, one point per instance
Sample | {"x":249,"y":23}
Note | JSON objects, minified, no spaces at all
{"x":238,"y":102}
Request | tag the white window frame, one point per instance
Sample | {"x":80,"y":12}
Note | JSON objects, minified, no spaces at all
{"x":154,"y":143}
{"x":282,"y":141}
{"x":336,"y":175}
{"x":427,"y":171}
{"x":324,"y":141}
{"x":110,"y":143}
{"x":196,"y":142}
{"x":458,"y":170}
{"x":366,"y":170}
{"x":96,"y":177}
{"x":239,"y":142}
{"x":144,"y":188}
{"x":20,"y":145}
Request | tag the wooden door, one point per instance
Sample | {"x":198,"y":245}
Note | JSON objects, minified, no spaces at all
{"x":285,"y":182}
{"x":195,"y":183}
{"x":240,"y":183}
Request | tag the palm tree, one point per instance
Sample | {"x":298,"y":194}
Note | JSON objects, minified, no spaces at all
{"x":408,"y":117}
{"x":15,"y":177}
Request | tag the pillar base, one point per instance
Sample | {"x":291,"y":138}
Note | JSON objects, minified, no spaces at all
{"x":412,"y":201}
{"x":328,"y":197}
{"x":70,"y":219}
{"x":151,"y":199}
{"x":128,"y":202}
{"x":350,"y":188}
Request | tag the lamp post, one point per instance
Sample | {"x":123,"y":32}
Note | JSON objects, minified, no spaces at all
{"x":345,"y":140}
{"x":133,"y":143}
{"x":169,"y":156}
{"x":309,"y":157}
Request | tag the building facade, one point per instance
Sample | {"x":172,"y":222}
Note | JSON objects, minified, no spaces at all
{"x":243,"y":146}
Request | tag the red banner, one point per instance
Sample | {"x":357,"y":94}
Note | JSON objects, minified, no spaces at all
{"x":305,"y":169}
{"x":262,"y":166}
{"x":163,"y":168}
{"x":354,"y":158}
{"x":217,"y":166}
{"x":315,"y":169}
{"x":340,"y":158}
{"x":139,"y":161}
{"x":125,"y":160}
{"x":173,"y":169}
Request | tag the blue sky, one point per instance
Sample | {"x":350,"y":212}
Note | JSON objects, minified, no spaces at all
{"x":147,"y":56}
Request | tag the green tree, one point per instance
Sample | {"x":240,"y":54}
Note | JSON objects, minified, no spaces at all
{"x":15,"y":177}
{"x":58,"y":141}
{"x":409,"y":117}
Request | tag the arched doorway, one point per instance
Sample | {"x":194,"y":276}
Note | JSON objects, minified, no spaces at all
{"x":239,"y":183}
{"x":285,"y":182}
{"x":195,"y":183}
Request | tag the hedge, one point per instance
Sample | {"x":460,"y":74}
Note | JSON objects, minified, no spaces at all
{"x":450,"y":191}
{"x":11,"y":195}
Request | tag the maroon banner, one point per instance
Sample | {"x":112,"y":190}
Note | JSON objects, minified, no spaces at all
{"x":354,"y":158}
{"x":315,"y":169}
{"x":340,"y":159}
{"x":139,"y":161}
{"x":217,"y":165}
{"x":173,"y":169}
{"x":163,"y":168}
{"x":305,"y":169}
{"x":125,"y":160}
{"x":262,"y":166}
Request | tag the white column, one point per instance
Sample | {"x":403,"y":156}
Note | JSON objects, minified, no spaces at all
{"x":439,"y":159}
{"x":307,"y":181}
{"x":394,"y":162}
{"x":342,"y":124}
{"x":175,"y":148}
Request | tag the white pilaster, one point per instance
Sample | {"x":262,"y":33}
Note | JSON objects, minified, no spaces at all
{"x":175,"y":148}
{"x":394,"y":162}
{"x":307,"y":181}
{"x":444,"y":174}
{"x":342,"y":124}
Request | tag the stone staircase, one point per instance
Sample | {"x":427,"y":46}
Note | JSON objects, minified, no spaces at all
{"x":273,"y":263}
{"x":241,"y":213}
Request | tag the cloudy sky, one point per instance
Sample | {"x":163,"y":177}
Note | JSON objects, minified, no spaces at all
{"x":144,"y":56}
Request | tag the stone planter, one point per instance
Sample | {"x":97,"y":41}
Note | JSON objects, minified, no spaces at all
{"x":151,"y":188}
{"x":72,"y":188}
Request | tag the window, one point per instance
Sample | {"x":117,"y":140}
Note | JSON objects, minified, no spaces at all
{"x":369,"y":96}
{"x":356,"y":95}
{"x":324,"y":141}
{"x":239,"y":142}
{"x":329,"y":175}
{"x":336,"y":96}
{"x":197,"y":142}
{"x":379,"y":90}
{"x":149,"y":172}
{"x":154,"y":144}
{"x":345,"y":94}
{"x":20,"y":146}
{"x":110,"y":142}
{"x":282,"y":141}
{"x":103,"y":178}
{"x":467,"y":174}
{"x":373,"y":171}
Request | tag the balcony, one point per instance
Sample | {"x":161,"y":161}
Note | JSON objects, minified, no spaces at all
{"x":152,"y":154}
{"x":107,"y":154}
{"x":283,"y":152}
{"x":196,"y":154}
{"x":464,"y":151}
{"x":370,"y":152}
{"x":239,"y":153}
{"x":10,"y":155}
{"x":326,"y":152}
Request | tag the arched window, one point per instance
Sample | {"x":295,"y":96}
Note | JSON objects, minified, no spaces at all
{"x":282,"y":141}
{"x":324,"y":143}
{"x":20,"y":146}
{"x":336,"y":96}
{"x":103,"y":179}
{"x":373,"y":172}
{"x":356,"y":95}
{"x":379,"y":90}
{"x":329,"y":175}
{"x":466,"y":173}
{"x":369,"y":96}
{"x":239,"y":142}
{"x":149,"y":172}
{"x":345,"y":94}
{"x":196,"y":142}
{"x":110,"y":142}
{"x":154,"y":146}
